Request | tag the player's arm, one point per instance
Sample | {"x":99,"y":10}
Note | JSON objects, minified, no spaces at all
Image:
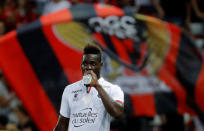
{"x":63,"y":120}
{"x":62,"y":124}
{"x":113,"y":107}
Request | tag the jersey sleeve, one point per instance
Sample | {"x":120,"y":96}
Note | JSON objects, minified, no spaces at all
{"x":117,"y":94}
{"x":65,"y":109}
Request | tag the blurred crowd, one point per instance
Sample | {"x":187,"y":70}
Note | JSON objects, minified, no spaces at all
{"x":17,"y":13}
{"x":13,"y":116}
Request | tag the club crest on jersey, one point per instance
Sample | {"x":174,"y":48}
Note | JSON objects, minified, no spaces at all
{"x":75,"y":97}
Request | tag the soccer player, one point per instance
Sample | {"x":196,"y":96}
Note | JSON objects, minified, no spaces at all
{"x":89,"y":107}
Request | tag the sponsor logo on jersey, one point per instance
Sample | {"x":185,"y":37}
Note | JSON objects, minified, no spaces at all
{"x":84,"y":116}
{"x":77,"y":91}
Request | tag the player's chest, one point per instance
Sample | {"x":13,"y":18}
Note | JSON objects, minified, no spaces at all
{"x":80,"y":98}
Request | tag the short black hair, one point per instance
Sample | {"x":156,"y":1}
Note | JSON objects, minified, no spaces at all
{"x":92,"y":49}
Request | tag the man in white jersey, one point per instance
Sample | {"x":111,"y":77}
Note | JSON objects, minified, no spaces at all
{"x":90,"y":107}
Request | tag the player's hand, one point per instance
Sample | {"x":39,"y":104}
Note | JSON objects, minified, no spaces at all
{"x":94,"y":81}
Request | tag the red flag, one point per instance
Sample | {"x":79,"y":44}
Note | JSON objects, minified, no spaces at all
{"x":40,"y":59}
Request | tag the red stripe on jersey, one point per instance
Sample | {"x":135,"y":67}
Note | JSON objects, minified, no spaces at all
{"x":119,"y":101}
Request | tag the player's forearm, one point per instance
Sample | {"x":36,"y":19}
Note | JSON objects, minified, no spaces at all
{"x":114,"y":108}
{"x":60,"y":128}
{"x":62,"y":124}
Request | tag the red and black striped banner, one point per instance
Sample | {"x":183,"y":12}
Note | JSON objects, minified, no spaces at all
{"x":41,"y":58}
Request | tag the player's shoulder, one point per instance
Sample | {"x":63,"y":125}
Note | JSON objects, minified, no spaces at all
{"x":72,"y":86}
{"x":107,"y":84}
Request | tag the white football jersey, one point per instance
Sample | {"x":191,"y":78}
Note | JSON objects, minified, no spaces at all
{"x":85,"y":108}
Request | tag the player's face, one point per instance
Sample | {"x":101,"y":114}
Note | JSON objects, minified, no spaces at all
{"x":91,"y":62}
